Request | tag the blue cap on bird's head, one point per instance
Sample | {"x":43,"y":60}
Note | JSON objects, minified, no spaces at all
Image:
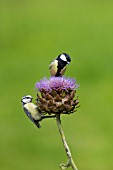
{"x":26,"y":99}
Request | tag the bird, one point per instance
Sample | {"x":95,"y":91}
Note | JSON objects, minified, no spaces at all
{"x":32,"y":110}
{"x":59,"y":65}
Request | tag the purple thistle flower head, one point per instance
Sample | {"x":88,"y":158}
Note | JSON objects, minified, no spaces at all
{"x":57,"y":95}
{"x":56,"y":83}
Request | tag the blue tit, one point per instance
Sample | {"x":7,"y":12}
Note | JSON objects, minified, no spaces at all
{"x":59,"y":65}
{"x":32,"y":111}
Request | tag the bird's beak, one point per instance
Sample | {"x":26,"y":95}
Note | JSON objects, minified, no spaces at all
{"x":68,"y":62}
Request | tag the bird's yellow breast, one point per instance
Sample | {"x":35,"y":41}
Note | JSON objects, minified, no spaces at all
{"x":33,"y":110}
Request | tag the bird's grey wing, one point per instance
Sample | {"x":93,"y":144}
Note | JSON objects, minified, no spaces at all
{"x":30,"y":117}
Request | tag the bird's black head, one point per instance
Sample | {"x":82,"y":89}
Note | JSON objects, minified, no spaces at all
{"x":65,"y":58}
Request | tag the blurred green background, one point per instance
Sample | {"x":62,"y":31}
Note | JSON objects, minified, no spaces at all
{"x":32,"y":34}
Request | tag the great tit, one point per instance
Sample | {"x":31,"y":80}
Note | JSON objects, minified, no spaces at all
{"x":59,"y":65}
{"x":32,"y":111}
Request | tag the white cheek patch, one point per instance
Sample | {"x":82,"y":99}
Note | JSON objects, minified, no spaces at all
{"x":26,"y":100}
{"x":63,"y":57}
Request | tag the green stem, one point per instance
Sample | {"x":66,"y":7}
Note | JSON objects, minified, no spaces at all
{"x":66,"y":147}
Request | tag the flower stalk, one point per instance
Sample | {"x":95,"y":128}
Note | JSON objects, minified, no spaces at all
{"x":70,"y":161}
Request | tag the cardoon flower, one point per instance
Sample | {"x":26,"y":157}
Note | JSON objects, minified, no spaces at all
{"x":57,"y":95}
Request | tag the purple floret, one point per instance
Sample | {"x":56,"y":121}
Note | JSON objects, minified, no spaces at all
{"x":56,"y":83}
{"x":43,"y":85}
